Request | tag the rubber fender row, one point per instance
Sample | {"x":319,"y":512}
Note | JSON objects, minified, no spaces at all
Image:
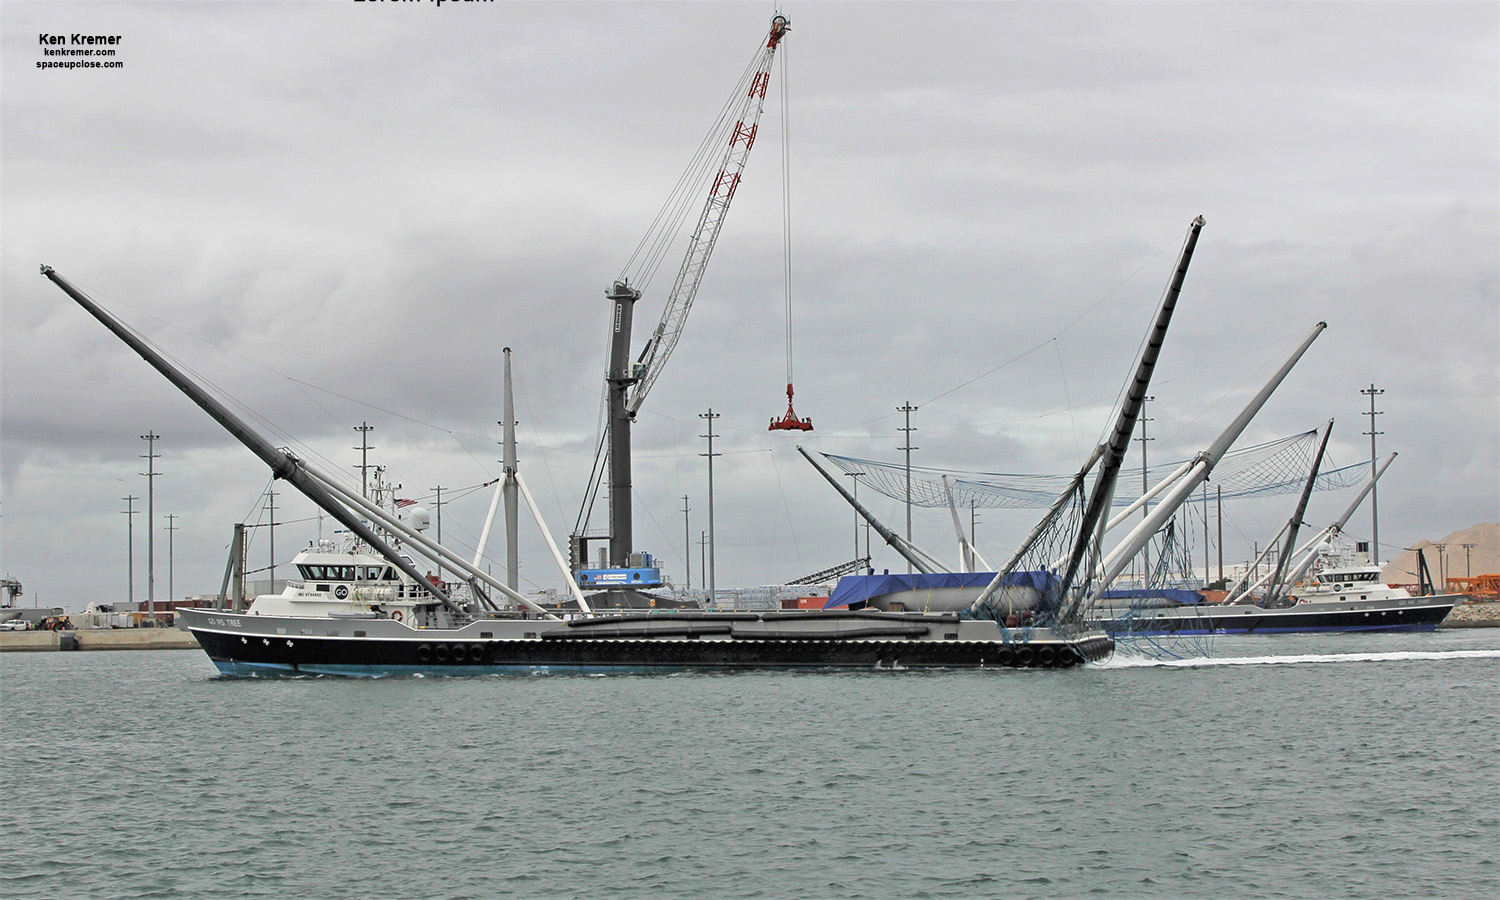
{"x":1043,"y":657}
{"x":457,"y":654}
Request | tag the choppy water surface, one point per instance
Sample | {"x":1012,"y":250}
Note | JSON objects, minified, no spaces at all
{"x":1286,"y":766}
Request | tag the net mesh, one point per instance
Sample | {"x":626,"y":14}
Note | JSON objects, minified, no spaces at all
{"x":1274,"y":467}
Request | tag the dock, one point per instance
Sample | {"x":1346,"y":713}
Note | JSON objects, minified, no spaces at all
{"x":97,"y":639}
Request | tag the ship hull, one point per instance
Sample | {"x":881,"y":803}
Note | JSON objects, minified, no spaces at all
{"x":242,"y":645}
{"x":1415,"y":614}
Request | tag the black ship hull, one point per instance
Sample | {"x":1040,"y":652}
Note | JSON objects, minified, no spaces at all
{"x":252,"y":646}
{"x":1252,"y":620}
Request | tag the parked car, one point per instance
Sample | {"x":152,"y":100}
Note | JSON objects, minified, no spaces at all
{"x":15,"y":625}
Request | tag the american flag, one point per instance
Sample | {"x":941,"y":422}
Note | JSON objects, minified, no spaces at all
{"x":402,"y":504}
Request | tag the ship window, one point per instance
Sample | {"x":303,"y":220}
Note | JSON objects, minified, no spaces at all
{"x":486,"y":634}
{"x":359,"y":634}
{"x":304,"y":569}
{"x":313,"y":572}
{"x":390,"y":573}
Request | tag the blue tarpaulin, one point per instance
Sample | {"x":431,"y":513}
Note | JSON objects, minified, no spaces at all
{"x":1182,"y":597}
{"x":852,"y":589}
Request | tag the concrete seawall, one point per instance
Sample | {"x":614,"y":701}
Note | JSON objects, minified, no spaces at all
{"x":1474,"y":615}
{"x":112,"y":639}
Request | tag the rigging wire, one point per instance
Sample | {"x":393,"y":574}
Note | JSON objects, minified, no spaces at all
{"x":786,"y":212}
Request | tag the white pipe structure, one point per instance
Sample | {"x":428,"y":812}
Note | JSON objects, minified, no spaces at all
{"x":1289,"y":529}
{"x":980,"y":564}
{"x":921,"y":560}
{"x":1120,"y":557}
{"x":557,"y":557}
{"x":1036,"y":533}
{"x":965,"y":552}
{"x":1235,"y":595}
{"x":1149,"y":495}
{"x":430,"y":548}
{"x":489,"y":521}
{"x":1307,"y":554}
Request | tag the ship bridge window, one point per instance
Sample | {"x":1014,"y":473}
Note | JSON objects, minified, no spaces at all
{"x":314,"y":573}
{"x":390,"y":573}
{"x":369,"y":573}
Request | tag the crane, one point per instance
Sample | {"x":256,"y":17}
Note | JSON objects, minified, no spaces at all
{"x":629,"y":383}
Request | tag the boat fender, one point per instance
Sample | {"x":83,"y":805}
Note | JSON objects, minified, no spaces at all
{"x":476,"y":652}
{"x":1026,"y":656}
{"x":1046,"y":656}
{"x":396,"y":615}
{"x":424,"y":653}
{"x":1007,"y":657}
{"x":440,"y":653}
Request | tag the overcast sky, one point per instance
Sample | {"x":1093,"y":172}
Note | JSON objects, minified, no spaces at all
{"x":339,"y":212}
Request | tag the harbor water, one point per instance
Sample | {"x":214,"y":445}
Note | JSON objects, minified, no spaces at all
{"x":1291,"y":766}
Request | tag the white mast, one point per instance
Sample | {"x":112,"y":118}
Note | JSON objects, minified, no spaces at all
{"x":1117,"y":559}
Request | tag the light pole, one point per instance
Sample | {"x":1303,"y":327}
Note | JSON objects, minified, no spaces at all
{"x":439,"y":505}
{"x":271,"y":507}
{"x":1145,"y":486}
{"x":130,"y":512}
{"x":171,"y":527}
{"x":364,"y":429}
{"x":908,"y":409}
{"x":1442,"y":550}
{"x":687,"y":543}
{"x":1372,"y":393}
{"x":150,"y":457}
{"x":710,"y":416}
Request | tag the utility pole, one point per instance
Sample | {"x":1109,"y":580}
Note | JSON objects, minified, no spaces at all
{"x":171,"y":527}
{"x":1442,"y":550}
{"x":364,"y":429}
{"x":855,"y":476}
{"x":1205,"y":533}
{"x":710,"y":416}
{"x":702,"y":560}
{"x":1219,"y":490}
{"x":908,"y":409}
{"x":1145,"y":486}
{"x":973,"y":521}
{"x":150,"y":457}
{"x":687,"y":543}
{"x":271,"y":507}
{"x":439,"y":506}
{"x":130,"y":512}
{"x":1468,"y":572}
{"x":510,"y":489}
{"x":1372,"y":393}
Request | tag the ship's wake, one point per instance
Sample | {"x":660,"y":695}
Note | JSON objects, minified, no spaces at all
{"x":1130,"y":661}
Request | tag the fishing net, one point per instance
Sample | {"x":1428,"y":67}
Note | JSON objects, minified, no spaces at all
{"x":1274,"y":467}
